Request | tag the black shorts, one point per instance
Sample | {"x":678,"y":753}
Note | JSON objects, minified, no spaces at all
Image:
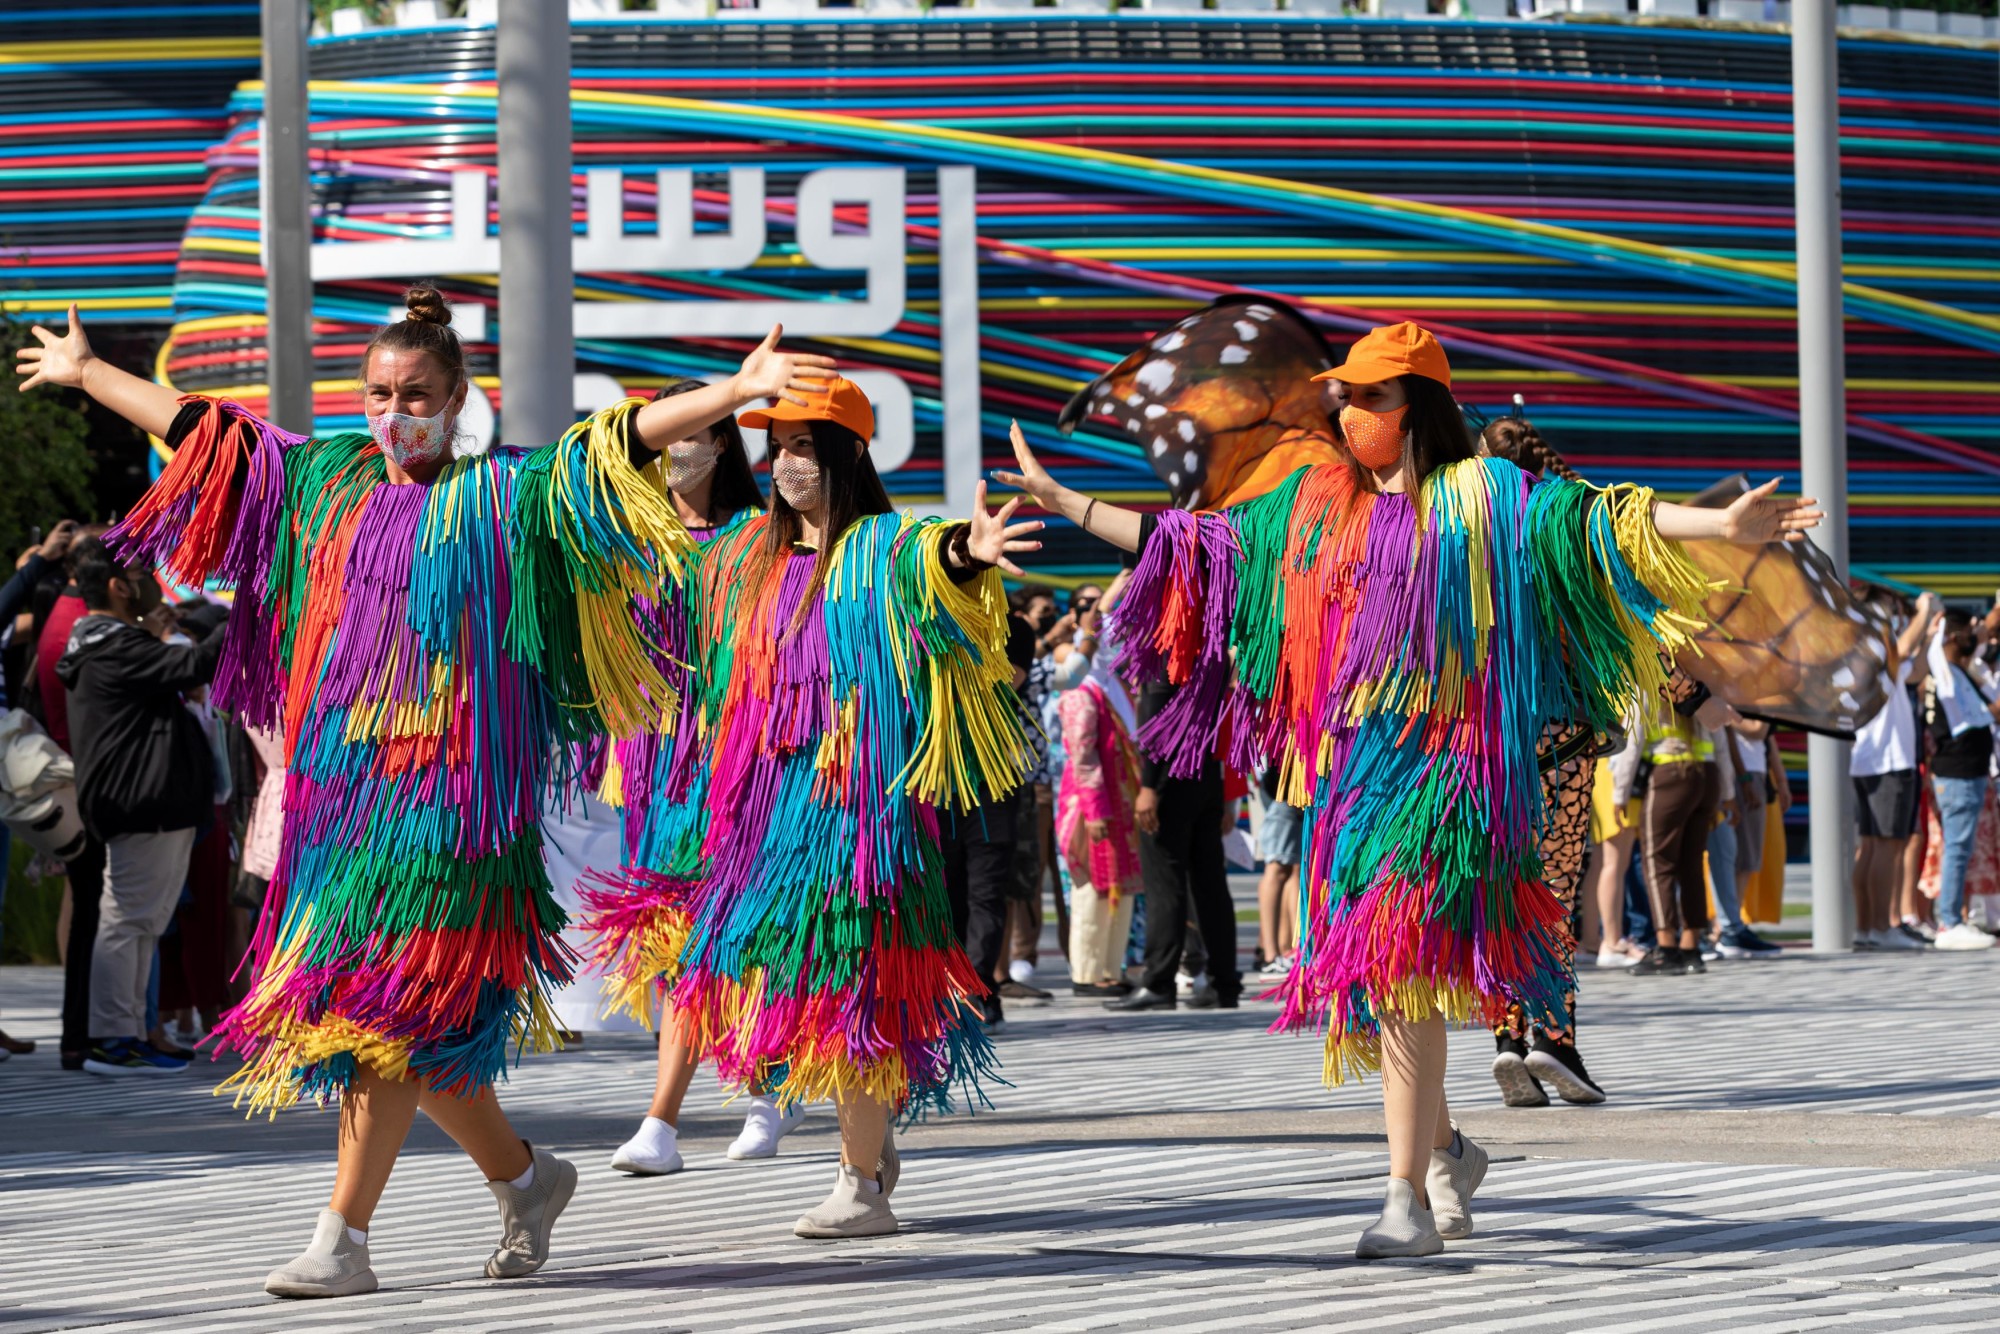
{"x":1887,"y":804}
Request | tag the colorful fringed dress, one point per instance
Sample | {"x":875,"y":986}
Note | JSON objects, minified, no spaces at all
{"x":638,"y":914}
{"x":1399,"y":657}
{"x":429,"y":652}
{"x":835,"y":720}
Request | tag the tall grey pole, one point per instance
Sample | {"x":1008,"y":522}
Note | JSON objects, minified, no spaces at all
{"x":537,"y":279}
{"x":1823,"y":421}
{"x":287,"y":239}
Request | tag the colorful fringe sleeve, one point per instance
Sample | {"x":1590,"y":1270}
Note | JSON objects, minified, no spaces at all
{"x":216,"y":512}
{"x":950,"y":646}
{"x":589,"y":535}
{"x":1207,"y":589}
{"x":1611,"y":590}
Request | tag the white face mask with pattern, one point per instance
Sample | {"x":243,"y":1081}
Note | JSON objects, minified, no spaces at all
{"x":413,"y":442}
{"x":689,"y":462}
{"x":797,"y":478}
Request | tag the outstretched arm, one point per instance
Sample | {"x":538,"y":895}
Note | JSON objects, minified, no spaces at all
{"x":1754,"y":518}
{"x":765,"y":373}
{"x":1114,"y":523}
{"x":68,"y":361}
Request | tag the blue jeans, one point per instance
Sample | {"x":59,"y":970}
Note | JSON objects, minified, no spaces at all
{"x":1638,"y":907}
{"x":1722,"y":875}
{"x":1958,"y":802}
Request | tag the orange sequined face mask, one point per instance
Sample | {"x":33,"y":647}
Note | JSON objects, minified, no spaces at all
{"x":1376,"y":438}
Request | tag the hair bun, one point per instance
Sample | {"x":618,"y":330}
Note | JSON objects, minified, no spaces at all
{"x":426,"y":305}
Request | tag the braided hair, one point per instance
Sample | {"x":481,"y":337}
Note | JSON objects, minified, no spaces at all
{"x":1516,"y":440}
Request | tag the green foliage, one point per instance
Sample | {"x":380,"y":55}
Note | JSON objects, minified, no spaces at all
{"x":28,"y":914}
{"x":44,"y":463}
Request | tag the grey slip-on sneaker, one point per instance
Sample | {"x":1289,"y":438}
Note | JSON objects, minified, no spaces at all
{"x":851,"y":1210}
{"x":1404,"y":1229}
{"x":527,"y":1217}
{"x":1450,"y":1182}
{"x":332,"y":1266}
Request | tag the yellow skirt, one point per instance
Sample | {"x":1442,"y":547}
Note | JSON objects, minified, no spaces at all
{"x":1607,"y":818}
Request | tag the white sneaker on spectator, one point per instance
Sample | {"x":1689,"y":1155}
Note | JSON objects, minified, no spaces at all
{"x":1616,"y":958}
{"x":1277,"y":970}
{"x":1915,"y":927}
{"x":653,"y":1152}
{"x":1186,"y":983}
{"x":1964,"y":936}
{"x":1894,"y":941}
{"x":763,"y":1128}
{"x":1021,"y":971}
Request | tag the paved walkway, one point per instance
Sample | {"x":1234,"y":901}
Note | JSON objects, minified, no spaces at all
{"x":1793,"y":1145}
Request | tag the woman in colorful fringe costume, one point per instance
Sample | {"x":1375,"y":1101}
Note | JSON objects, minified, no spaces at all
{"x":1395,"y":634}
{"x":429,"y":632}
{"x":854,"y":688}
{"x":640,"y":912}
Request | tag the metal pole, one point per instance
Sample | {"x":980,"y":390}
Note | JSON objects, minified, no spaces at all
{"x":1823,"y":420}
{"x":287,"y":239}
{"x":537,"y":279}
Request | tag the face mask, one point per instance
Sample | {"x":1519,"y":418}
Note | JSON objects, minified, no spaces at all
{"x":412,"y":442}
{"x":1375,"y":438}
{"x":798,"y":481}
{"x":690,"y":461}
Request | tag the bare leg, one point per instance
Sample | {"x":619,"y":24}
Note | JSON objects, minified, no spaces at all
{"x":1867,"y":864}
{"x":1270,"y":891}
{"x":1288,"y":912}
{"x":482,"y":1130}
{"x":1413,"y":1057}
{"x":864,"y":1126}
{"x":676,"y":1072}
{"x":375,"y":1116}
{"x":1616,"y":856}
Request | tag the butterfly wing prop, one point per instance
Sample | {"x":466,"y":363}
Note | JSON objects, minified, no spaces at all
{"x":1786,"y":640}
{"x":1220,"y":401}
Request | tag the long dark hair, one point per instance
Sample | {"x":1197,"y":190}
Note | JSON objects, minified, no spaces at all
{"x":735,"y":486}
{"x":1436,"y":426}
{"x":853,"y":489}
{"x":1516,"y":440}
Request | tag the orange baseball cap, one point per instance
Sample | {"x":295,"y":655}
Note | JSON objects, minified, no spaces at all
{"x":837,"y":400}
{"x":1383,"y":354}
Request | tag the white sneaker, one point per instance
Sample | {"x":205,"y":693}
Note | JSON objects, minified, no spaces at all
{"x":1021,"y":971}
{"x":1924,"y":929}
{"x":1893,"y":940}
{"x":1615,"y":958}
{"x":1964,"y":936}
{"x":763,"y":1128}
{"x":1278,"y":969}
{"x":1186,"y":983}
{"x":653,"y":1152}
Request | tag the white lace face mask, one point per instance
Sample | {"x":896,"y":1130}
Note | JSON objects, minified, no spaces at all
{"x":689,"y":462}
{"x":798,"y":480}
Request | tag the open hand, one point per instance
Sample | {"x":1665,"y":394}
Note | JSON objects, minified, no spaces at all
{"x":1032,"y":478}
{"x":1757,"y":516}
{"x":992,"y":537}
{"x":57,"y":361}
{"x":56,"y":545}
{"x":769,"y":373}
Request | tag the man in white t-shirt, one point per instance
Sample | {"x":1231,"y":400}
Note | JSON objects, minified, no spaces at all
{"x":1884,"y":770}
